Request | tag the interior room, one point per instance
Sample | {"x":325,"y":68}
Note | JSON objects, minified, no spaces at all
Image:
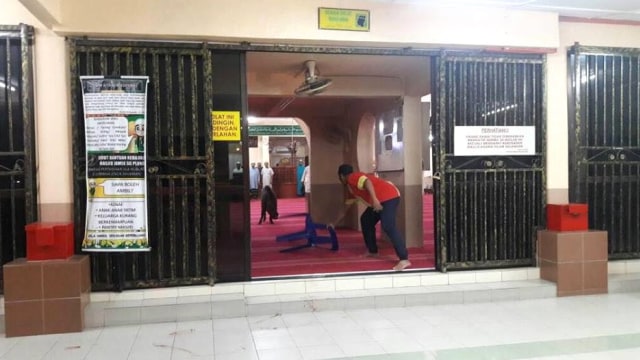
{"x":340,"y":122}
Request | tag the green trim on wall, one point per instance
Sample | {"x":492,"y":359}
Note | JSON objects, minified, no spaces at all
{"x":275,"y":130}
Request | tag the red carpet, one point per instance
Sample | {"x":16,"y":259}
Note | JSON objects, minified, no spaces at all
{"x":268,"y":261}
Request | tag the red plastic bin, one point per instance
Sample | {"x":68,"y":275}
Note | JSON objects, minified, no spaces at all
{"x":567,"y":217}
{"x":49,"y":240}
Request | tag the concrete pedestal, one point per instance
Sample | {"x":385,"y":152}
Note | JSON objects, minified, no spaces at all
{"x":46,"y":297}
{"x":575,"y":260}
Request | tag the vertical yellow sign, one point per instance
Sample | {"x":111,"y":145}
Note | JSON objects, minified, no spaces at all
{"x":226,"y":125}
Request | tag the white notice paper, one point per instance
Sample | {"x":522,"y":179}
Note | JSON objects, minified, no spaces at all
{"x":494,"y":140}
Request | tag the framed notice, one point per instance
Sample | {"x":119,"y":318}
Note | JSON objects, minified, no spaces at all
{"x":343,"y":19}
{"x":115,"y":128}
{"x":494,"y":140}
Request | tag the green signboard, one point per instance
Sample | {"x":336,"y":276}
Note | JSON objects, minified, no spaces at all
{"x":275,"y":130}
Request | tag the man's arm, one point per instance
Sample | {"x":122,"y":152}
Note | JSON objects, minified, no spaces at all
{"x":346,"y":205}
{"x":341,"y":213}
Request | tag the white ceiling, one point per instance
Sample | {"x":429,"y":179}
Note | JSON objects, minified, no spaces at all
{"x":287,"y":70}
{"x":628,"y":10}
{"x":291,"y":64}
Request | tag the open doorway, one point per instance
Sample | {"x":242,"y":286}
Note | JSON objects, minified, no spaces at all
{"x":340,"y":124}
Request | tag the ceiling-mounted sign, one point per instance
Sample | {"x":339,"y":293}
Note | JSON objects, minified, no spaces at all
{"x":226,"y":125}
{"x":343,"y":19}
{"x":275,"y":130}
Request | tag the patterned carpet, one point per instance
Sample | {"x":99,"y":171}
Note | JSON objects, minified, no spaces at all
{"x":268,"y":261}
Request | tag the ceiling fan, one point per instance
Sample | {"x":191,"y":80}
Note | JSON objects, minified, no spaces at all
{"x":313,"y":84}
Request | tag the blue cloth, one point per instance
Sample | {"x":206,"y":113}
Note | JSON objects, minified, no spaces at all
{"x":299,"y":182}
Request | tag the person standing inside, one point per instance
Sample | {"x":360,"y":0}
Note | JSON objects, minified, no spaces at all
{"x":254,"y":180}
{"x":267,"y":176}
{"x":238,"y":168}
{"x":382,"y":199}
{"x":299,"y":174}
{"x":306,"y":181}
{"x":236,"y":174}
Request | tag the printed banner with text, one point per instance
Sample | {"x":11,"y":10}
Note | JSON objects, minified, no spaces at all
{"x":115,"y":120}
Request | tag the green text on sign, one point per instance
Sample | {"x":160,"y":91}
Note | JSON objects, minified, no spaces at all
{"x":343,"y":19}
{"x":275,"y":130}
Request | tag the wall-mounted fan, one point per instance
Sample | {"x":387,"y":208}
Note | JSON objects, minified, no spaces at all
{"x":313,"y":84}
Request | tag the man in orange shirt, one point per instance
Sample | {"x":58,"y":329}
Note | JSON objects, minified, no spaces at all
{"x":382,"y":199}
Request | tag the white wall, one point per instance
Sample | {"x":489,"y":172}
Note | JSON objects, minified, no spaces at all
{"x":288,"y":21}
{"x":557,"y":119}
{"x":53,"y":130}
{"x":295,"y":21}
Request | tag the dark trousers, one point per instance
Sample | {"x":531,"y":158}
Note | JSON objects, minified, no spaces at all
{"x":387,"y":216}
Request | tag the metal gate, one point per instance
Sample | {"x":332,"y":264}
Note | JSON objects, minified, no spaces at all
{"x":179,"y":161}
{"x":487,"y":208}
{"x":605,"y":148}
{"x":17,"y":150}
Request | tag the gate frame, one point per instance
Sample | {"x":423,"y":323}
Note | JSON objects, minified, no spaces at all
{"x":286,"y":48}
{"x":440,"y":159}
{"x":575,"y":121}
{"x":115,"y":261}
{"x":26,"y":34}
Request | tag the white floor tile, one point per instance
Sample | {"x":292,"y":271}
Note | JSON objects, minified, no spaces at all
{"x":280,"y":354}
{"x":31,"y":347}
{"x":310,"y":335}
{"x":249,"y":354}
{"x":393,"y":340}
{"x":193,"y":342}
{"x":158,"y":351}
{"x":107,"y":351}
{"x":566,"y":327}
{"x":273,"y":339}
{"x":73,"y":346}
{"x":231,"y":343}
{"x":234,"y":325}
{"x":361,"y":348}
{"x":375,"y":323}
{"x":321,"y":352}
{"x":300,"y":319}
{"x":268,"y":322}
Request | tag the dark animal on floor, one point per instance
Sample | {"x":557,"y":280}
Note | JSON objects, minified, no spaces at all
{"x":269,"y":205}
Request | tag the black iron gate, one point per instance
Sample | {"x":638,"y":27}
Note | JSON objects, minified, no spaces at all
{"x":604,"y":164}
{"x":488,"y":208}
{"x":17,"y":138}
{"x":179,"y":161}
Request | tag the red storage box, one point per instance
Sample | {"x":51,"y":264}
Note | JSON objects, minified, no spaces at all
{"x":49,"y":241}
{"x":567,"y":217}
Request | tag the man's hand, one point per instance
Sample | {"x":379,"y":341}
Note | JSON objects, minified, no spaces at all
{"x":375,"y":203}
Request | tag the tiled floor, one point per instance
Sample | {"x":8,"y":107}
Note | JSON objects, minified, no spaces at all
{"x":576,"y":328}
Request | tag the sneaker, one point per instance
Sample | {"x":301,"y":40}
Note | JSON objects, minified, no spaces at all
{"x":370,"y":255}
{"x":401,"y":265}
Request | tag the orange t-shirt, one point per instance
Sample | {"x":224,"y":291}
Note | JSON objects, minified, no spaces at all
{"x":384,"y":189}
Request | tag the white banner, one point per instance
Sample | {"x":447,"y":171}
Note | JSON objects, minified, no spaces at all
{"x":494,"y":140}
{"x":115,"y":128}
